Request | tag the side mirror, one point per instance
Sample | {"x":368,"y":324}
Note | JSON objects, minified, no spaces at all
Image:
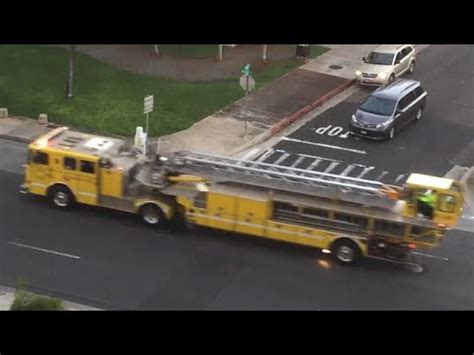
{"x":363,"y":59}
{"x":397,"y":61}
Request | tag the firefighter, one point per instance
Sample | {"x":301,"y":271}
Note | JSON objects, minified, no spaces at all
{"x":427,"y":203}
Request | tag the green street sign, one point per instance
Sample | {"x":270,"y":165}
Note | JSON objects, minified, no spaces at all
{"x":246,"y":70}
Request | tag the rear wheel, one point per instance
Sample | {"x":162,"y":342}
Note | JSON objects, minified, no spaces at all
{"x":152,"y":215}
{"x":60,"y":197}
{"x":346,"y":251}
{"x":411,"y":69}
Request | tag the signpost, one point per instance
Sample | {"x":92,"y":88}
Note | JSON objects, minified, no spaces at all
{"x":247,"y":83}
{"x":147,"y":108}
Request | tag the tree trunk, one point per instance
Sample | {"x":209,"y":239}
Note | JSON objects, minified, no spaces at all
{"x":70,"y":73}
{"x":220,"y":56}
{"x":157,"y":52}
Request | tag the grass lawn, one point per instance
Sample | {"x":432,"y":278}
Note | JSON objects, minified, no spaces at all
{"x":106,"y":99}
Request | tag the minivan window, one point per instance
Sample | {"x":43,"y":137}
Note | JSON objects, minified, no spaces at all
{"x":378,"y":106}
{"x":380,"y":58}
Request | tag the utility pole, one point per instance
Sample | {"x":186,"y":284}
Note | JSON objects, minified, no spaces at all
{"x":70,"y":73}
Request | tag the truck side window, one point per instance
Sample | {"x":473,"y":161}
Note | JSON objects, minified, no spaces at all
{"x":200,"y":201}
{"x":447,"y":203}
{"x":41,"y":158}
{"x":70,"y":163}
{"x":87,"y":167}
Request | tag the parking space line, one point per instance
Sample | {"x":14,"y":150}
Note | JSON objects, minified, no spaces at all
{"x":297,"y":161}
{"x":382,"y":175}
{"x":365,"y":171}
{"x":280,"y":159}
{"x":399,"y":177}
{"x":45,"y":250}
{"x":314,"y":164}
{"x":331,"y":167}
{"x":347,"y":170}
{"x":308,"y":156}
{"x":325,"y":145}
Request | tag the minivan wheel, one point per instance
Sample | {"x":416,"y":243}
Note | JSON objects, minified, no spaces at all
{"x":419,"y":113}
{"x":391,"y":133}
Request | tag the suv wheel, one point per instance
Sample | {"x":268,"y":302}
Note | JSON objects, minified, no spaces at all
{"x":419,"y":113}
{"x":391,"y":78}
{"x":411,"y":69}
{"x":391,"y":133}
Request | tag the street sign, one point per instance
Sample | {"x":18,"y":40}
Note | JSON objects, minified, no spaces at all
{"x":148,"y":104}
{"x":246,"y":70}
{"x":247,"y":83}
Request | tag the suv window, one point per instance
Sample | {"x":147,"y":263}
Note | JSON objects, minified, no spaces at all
{"x":406,"y":51}
{"x":398,"y":57}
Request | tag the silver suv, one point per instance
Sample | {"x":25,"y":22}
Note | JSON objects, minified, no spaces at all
{"x":386,"y":63}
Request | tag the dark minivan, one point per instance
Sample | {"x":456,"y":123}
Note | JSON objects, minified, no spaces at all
{"x":388,"y":109}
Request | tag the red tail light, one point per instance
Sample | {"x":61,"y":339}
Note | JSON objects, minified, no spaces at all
{"x":412,"y":246}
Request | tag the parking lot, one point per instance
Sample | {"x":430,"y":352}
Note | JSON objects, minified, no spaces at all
{"x":431,"y":146}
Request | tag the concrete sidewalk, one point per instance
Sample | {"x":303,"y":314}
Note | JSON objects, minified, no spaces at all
{"x":7,"y":295}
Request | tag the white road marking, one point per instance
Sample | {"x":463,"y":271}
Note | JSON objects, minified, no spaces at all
{"x":280,"y":159}
{"x":308,"y":156}
{"x":400,"y":177}
{"x":366,"y":170}
{"x":314,"y":164}
{"x":325,"y":145}
{"x":382,"y":175}
{"x":331,"y":167}
{"x":347,"y":170}
{"x":45,"y":250}
{"x":297,"y":161}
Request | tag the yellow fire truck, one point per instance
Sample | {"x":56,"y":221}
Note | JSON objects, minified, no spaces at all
{"x":345,"y":216}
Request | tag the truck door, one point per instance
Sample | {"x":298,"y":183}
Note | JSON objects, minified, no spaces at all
{"x":38,"y":173}
{"x":87,"y":184}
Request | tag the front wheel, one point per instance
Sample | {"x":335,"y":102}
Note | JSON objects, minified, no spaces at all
{"x":391,"y":133}
{"x":152,"y":215}
{"x":61,"y":197}
{"x":419,"y":113}
{"x":411,"y":69}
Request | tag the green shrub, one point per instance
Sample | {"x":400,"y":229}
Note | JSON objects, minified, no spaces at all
{"x":26,"y":301}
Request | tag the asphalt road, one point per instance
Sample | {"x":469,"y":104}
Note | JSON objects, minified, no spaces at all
{"x":431,"y":146}
{"x":106,"y":259}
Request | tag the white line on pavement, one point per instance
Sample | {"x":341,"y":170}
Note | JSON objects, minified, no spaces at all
{"x":325,"y":145}
{"x":45,"y":250}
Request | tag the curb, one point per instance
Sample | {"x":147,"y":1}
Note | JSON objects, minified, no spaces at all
{"x":285,"y":122}
{"x":16,"y":139}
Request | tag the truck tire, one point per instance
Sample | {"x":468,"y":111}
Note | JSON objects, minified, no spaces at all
{"x":346,"y":251}
{"x":152,"y":215}
{"x":60,"y":197}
